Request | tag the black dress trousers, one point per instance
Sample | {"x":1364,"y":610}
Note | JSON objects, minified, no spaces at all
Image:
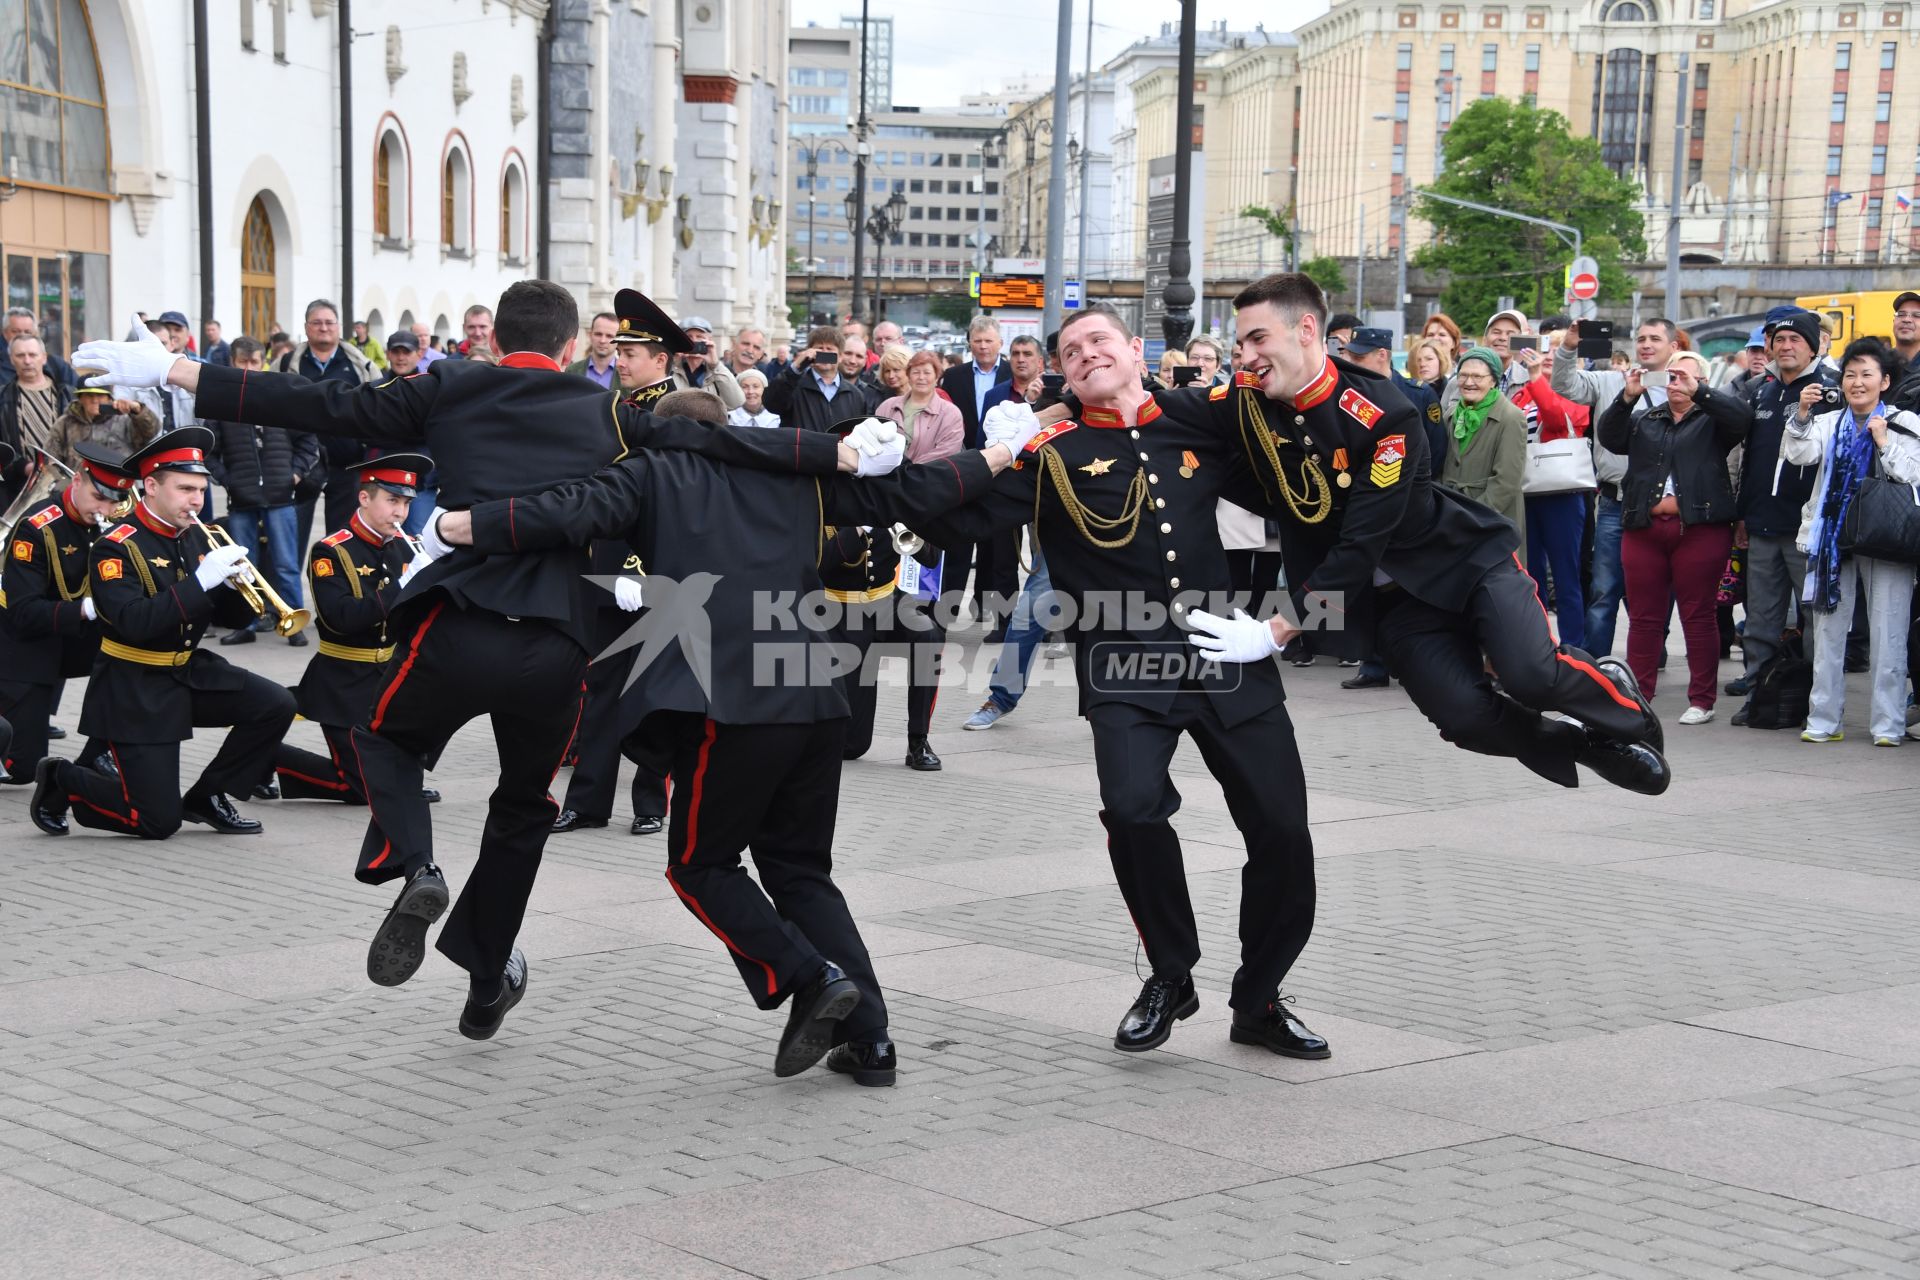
{"x":596,"y":773}
{"x":901,"y":623}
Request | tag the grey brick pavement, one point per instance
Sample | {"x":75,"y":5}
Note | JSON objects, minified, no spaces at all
{"x":1576,"y":1034}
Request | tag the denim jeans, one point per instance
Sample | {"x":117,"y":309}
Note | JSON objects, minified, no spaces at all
{"x":1609,"y":582}
{"x":422,"y":507}
{"x":285,"y":555}
{"x":1025,"y":630}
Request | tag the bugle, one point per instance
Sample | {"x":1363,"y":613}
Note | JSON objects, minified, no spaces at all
{"x":260,"y":597}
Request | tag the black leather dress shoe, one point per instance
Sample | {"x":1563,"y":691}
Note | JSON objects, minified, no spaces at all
{"x":571,"y":821}
{"x":55,"y":733}
{"x":48,"y":807}
{"x":811,"y":1013}
{"x":1634,"y":766}
{"x":400,"y":943}
{"x":647,"y":825}
{"x":298,"y":640}
{"x":1277,"y":1029}
{"x":869,"y":1064}
{"x":480,"y":1021}
{"x":217,"y":811}
{"x":268,"y":790}
{"x":1366,"y":682}
{"x":1615,"y":670}
{"x":920,"y":756}
{"x":430,"y":795}
{"x":1162,"y":1003}
{"x":244,"y":635}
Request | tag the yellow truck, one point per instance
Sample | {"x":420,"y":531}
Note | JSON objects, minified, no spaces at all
{"x":1854,"y":315}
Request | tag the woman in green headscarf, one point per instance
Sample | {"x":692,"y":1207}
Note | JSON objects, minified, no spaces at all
{"x":1486,"y":440}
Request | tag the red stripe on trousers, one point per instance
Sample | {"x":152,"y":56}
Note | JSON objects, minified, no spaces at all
{"x":697,"y":786}
{"x":413,"y":651}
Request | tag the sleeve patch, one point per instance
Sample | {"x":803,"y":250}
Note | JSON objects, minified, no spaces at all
{"x":322,"y":568}
{"x":23,"y":550}
{"x":109,"y":570}
{"x":1433,"y":412}
{"x":45,"y":518}
{"x":1388,"y":456}
{"x":121,"y":534}
{"x":1359,"y":408}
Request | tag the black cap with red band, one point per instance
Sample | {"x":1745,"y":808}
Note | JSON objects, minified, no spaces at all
{"x":398,"y":473}
{"x":181,"y":449}
{"x":106,"y":467}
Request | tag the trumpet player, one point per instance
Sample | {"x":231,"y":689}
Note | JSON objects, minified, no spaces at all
{"x":158,"y":581}
{"x":49,"y":632}
{"x":354,"y":576}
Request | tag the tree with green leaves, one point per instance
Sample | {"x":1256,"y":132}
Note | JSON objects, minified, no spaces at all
{"x":1278,"y":222}
{"x":1519,"y":157}
{"x":1326,"y":273}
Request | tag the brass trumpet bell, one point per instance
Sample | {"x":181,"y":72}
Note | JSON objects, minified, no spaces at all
{"x":260,"y":597}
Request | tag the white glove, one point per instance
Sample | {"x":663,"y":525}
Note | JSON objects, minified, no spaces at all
{"x":432,"y":545}
{"x":626,"y":594}
{"x":1235,"y":639}
{"x":87,"y":610}
{"x":1011,"y":423}
{"x":885,"y":458}
{"x":222,"y":564}
{"x":141,"y":363}
{"x":872,"y":435}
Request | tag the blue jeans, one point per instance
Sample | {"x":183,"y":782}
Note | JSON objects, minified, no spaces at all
{"x":1555,"y":525}
{"x":1025,"y":631}
{"x":1609,"y":583}
{"x":285,"y":555}
{"x":422,"y":507}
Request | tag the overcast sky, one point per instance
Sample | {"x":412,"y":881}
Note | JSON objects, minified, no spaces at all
{"x":942,"y":51}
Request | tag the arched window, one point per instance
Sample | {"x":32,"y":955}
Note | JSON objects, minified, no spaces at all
{"x":456,"y":202}
{"x":1626,"y":11}
{"x":56,"y":116}
{"x":391,"y":214}
{"x":259,"y":278}
{"x":513,"y":214}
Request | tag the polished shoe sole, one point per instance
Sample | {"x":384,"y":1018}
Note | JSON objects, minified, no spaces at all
{"x":814,"y":1037}
{"x":1255,"y":1039}
{"x":1185,"y":1011}
{"x":400,"y":945}
{"x":514,"y":996}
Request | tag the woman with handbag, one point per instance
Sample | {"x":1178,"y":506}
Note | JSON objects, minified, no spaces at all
{"x":1559,"y":478}
{"x":1677,"y":510}
{"x":1862,"y":446}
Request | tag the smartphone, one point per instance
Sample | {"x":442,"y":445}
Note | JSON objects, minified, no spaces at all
{"x":1524,"y":342}
{"x":1651,"y":378}
{"x":825,"y":359}
{"x":1052,"y":385}
{"x":1186,"y":375}
{"x":1596,"y":339}
{"x":702,"y":348}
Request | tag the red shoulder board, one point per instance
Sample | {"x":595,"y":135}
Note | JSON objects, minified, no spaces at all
{"x":1242,"y":378}
{"x":1219,"y":392}
{"x":1359,"y":408}
{"x":335,"y":539}
{"x":121,"y":534}
{"x":44,"y":518}
{"x":1048,"y":433}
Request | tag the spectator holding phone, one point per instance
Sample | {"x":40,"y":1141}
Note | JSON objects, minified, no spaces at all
{"x":699,"y":370}
{"x":810,"y":393}
{"x":1556,"y":522}
{"x":1678,"y":510}
{"x":1208,"y":356}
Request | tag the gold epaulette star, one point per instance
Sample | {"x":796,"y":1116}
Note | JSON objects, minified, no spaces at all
{"x":1099,"y":466}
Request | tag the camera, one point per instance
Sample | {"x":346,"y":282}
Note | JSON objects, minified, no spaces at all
{"x":1830,"y":398}
{"x":825,"y":359}
{"x":1052,"y":386}
{"x":701,"y":349}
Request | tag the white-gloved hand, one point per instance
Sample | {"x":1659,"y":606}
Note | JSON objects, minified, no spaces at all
{"x":1235,"y":639}
{"x":885,"y":458}
{"x":1011,"y":422}
{"x":222,"y":564}
{"x":87,"y":610}
{"x":432,"y":545}
{"x":872,"y":435}
{"x":627,"y":593}
{"x":141,"y":363}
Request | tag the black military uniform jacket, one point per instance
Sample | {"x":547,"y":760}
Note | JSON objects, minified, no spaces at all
{"x":1355,"y":497}
{"x":731,"y":556}
{"x":1125,"y":517}
{"x":354,"y":579}
{"x":44,"y":637}
{"x":153,"y":614}
{"x":499,"y":431}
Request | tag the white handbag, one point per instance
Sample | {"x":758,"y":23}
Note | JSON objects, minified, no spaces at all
{"x":1559,"y":466}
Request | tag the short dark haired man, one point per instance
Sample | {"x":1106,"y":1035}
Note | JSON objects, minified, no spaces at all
{"x":598,"y":363}
{"x":808,"y":392}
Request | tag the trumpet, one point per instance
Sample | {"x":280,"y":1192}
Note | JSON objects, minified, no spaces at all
{"x":906,"y":542}
{"x":260,"y":597}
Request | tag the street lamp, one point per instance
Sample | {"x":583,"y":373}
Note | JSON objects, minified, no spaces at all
{"x":811,"y":156}
{"x":1029,"y":128}
{"x":880,"y":225}
{"x":1176,"y":321}
{"x":992,"y":147}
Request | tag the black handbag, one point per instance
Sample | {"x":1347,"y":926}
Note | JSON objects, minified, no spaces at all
{"x":1883,"y":520}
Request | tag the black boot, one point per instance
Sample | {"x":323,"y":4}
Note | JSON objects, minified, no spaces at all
{"x":48,"y":808}
{"x":920,"y":756}
{"x":811,"y":1013}
{"x":1162,"y":1002}
{"x":1634,"y":766}
{"x":400,"y":944}
{"x":1275,"y":1028}
{"x":870,"y":1063}
{"x":212,"y":809}
{"x":1617,"y":671}
{"x":268,"y":790}
{"x":480,"y":1019}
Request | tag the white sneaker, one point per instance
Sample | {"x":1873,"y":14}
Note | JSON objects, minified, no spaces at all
{"x":1696,"y":715}
{"x":1886,"y":742}
{"x":1814,"y":735}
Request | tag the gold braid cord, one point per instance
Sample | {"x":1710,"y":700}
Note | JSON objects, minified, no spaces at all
{"x":1084,"y":519}
{"x":1307,"y":505}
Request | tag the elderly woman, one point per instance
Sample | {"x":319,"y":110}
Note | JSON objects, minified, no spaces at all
{"x":1677,"y":509}
{"x":1209,"y":355}
{"x":892,"y":372}
{"x":1487,"y":439}
{"x":1849,"y":444}
{"x":753,"y":411}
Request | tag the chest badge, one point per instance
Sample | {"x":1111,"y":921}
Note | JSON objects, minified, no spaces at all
{"x":67,"y":551}
{"x":1189,"y":463}
{"x":1341,"y":476}
{"x":159,"y":562}
{"x":364,"y":570}
{"x":1099,"y":466}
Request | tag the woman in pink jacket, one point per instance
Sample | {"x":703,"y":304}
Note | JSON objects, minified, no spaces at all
{"x":930,"y":422}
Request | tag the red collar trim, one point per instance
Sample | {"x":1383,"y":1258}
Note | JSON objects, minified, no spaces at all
{"x":153,"y":523}
{"x":66,"y":504}
{"x":1319,"y":389}
{"x":359,"y":527}
{"x":529,"y":360}
{"x":1148,"y":412}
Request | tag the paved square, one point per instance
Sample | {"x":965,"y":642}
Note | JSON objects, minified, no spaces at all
{"x":1576,"y":1033}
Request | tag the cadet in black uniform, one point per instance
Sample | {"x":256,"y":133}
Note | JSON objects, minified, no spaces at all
{"x":503,"y":637}
{"x":643,"y":348}
{"x":1122,"y":501}
{"x":353,"y":577}
{"x":49,"y":631}
{"x":745,"y":703}
{"x":1433,"y":578}
{"x":158,"y":582}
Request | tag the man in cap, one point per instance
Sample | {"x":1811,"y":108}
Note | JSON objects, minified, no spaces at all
{"x":1906,"y":341}
{"x":698,"y":369}
{"x":354,"y":575}
{"x":158,"y":581}
{"x":406,"y":360}
{"x":49,"y":630}
{"x":403,"y":354}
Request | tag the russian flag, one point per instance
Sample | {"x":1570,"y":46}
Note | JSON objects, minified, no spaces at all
{"x":1901,"y":202}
